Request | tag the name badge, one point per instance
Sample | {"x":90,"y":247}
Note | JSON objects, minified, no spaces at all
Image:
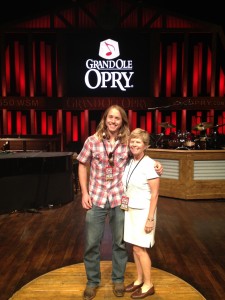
{"x":124,"y":202}
{"x":109,"y":173}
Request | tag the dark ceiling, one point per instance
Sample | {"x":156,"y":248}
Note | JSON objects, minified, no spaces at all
{"x":208,"y":11}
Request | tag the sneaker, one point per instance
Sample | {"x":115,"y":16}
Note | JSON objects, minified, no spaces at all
{"x":89,"y":292}
{"x":118,"y":289}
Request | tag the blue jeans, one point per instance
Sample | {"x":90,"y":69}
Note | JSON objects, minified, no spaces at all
{"x":95,"y":224}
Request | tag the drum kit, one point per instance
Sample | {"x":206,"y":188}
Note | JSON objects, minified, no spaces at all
{"x":201,"y":142}
{"x":187,"y":140}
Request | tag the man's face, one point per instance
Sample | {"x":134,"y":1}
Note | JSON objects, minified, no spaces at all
{"x":114,"y":120}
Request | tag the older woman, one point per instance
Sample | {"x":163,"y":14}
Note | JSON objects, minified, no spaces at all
{"x":141,"y":186}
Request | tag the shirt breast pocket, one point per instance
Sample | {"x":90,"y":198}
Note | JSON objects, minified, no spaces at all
{"x":98,"y":160}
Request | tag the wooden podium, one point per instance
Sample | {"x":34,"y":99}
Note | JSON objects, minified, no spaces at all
{"x":191,"y":174}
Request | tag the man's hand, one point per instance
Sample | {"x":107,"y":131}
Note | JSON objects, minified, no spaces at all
{"x":86,"y":201}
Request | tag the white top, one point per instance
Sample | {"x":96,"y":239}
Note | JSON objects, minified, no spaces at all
{"x":135,"y":181}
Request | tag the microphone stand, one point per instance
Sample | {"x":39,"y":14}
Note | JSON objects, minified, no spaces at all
{"x":159,"y":139}
{"x":188,"y":102}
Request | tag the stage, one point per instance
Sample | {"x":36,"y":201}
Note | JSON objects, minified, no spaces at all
{"x":33,"y":180}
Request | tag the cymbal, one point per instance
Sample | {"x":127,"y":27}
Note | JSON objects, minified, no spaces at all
{"x":202,"y":126}
{"x":216,"y":126}
{"x":167,"y":125}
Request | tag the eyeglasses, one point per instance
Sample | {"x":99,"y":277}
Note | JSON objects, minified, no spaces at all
{"x":111,"y":159}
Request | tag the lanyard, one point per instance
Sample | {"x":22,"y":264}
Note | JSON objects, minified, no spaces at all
{"x":128,"y":177}
{"x":110,"y":154}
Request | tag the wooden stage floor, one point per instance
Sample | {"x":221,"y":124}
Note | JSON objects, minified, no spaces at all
{"x":69,"y":282}
{"x":48,"y":245}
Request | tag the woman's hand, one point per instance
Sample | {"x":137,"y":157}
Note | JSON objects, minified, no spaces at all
{"x":149,"y":225}
{"x":158,"y":167}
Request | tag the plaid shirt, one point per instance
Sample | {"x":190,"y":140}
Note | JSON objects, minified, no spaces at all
{"x":101,"y":189}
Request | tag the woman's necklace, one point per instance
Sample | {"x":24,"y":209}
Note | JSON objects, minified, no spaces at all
{"x":130,"y":171}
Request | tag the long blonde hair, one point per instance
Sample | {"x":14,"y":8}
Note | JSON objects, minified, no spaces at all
{"x":124,"y":131}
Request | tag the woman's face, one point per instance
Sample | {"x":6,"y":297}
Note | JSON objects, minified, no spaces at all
{"x":113,"y":121}
{"x":137,"y":147}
